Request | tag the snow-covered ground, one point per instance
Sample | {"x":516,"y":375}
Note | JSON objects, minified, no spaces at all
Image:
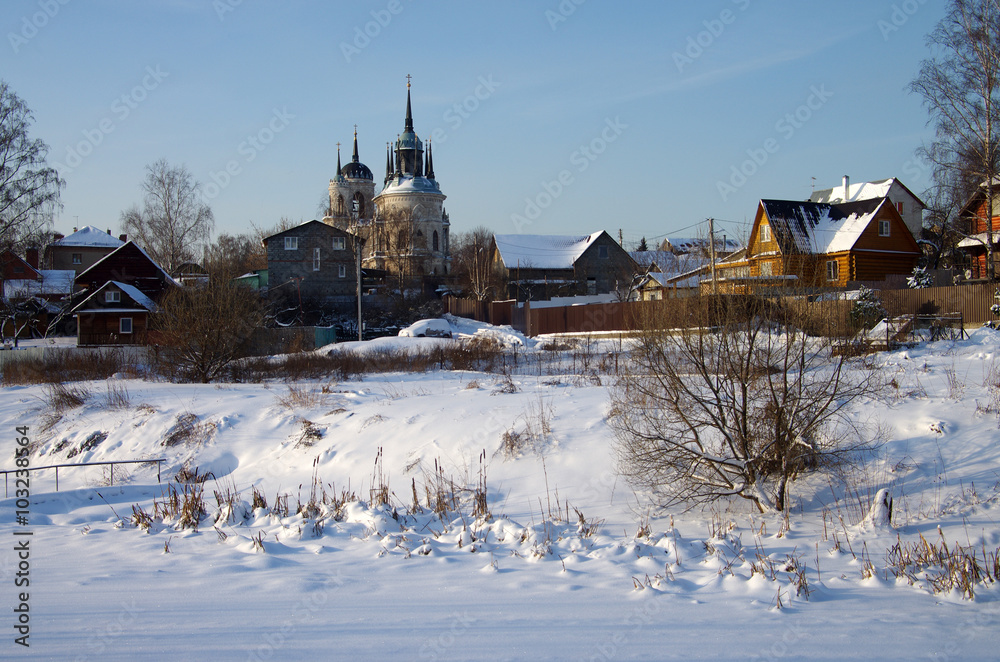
{"x":531,"y":581}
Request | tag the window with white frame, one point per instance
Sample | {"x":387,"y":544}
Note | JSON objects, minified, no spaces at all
{"x":766,"y":268}
{"x":112,"y":296}
{"x":341,"y":271}
{"x":125,"y":325}
{"x":316,"y":259}
{"x":832,"y":270}
{"x":765,"y":233}
{"x":339,"y":243}
{"x":883,"y":228}
{"x":291,"y":243}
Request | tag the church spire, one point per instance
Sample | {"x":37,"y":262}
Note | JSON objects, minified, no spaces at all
{"x":388,"y":162}
{"x":409,"y":115}
{"x":338,"y":159}
{"x":355,"y":158}
{"x":430,"y":160}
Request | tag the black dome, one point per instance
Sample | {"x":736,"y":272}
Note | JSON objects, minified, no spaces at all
{"x":357,"y":170}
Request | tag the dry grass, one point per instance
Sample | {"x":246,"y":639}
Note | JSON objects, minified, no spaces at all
{"x":116,"y":396}
{"x":72,"y":366}
{"x":187,"y":430}
{"x":60,"y":397}
{"x":944,"y":568}
{"x":299,"y":397}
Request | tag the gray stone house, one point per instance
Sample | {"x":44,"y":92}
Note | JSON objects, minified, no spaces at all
{"x":314,"y":261}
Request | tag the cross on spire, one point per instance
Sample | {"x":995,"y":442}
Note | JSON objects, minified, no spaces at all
{"x":408,"y":81}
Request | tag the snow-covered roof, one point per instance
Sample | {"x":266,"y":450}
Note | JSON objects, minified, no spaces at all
{"x":50,"y":282}
{"x":90,"y":236}
{"x":819,"y":228}
{"x":978,"y":240}
{"x":858,"y":191}
{"x":409,"y":183}
{"x":861,"y":191}
{"x":137,"y":296}
{"x":542,"y":251}
{"x":131,"y":291}
{"x":697,"y":244}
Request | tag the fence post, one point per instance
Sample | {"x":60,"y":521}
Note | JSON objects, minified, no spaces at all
{"x":57,"y":479}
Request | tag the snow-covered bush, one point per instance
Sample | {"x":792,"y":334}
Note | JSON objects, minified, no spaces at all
{"x":867,"y":310}
{"x":919,"y":279}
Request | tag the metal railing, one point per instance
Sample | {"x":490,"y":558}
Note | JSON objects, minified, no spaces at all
{"x":6,"y":472}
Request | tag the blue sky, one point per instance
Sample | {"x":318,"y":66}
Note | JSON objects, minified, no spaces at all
{"x":547,"y":117}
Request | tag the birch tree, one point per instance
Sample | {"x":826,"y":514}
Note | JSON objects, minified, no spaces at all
{"x":173,"y":220}
{"x":960,"y":86}
{"x":29,"y":188}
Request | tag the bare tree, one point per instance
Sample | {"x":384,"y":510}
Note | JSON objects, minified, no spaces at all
{"x":202,"y":329}
{"x":238,"y":254}
{"x":960,"y":86}
{"x":173,"y":220}
{"x":29,"y":189}
{"x":736,"y":411}
{"x":472,"y":261}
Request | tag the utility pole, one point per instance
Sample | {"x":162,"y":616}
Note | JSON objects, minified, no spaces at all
{"x":711,"y":254}
{"x":357,"y":250}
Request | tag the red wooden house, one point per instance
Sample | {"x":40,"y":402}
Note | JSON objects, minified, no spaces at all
{"x":983,"y":227}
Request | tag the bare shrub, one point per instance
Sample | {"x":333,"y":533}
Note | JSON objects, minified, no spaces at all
{"x":60,"y":396}
{"x":204,"y":329}
{"x":92,"y":441}
{"x":531,"y":433}
{"x":187,"y":430}
{"x":740,"y":409}
{"x":309,"y":434}
{"x":116,"y":396}
{"x":298,"y":397}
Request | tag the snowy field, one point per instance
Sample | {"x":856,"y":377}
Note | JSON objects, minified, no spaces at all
{"x":558,"y":569}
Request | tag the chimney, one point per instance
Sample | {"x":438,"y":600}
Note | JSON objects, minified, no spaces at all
{"x":31,"y":257}
{"x":57,"y":236}
{"x":847,"y":188}
{"x":109,"y":230}
{"x":123,"y":238}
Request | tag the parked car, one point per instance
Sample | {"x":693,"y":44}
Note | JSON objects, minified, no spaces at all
{"x":435,"y":328}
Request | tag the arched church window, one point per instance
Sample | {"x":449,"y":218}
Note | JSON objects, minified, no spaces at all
{"x":434,"y":241}
{"x":339,"y":207}
{"x":359,"y":203}
{"x":401,"y":240}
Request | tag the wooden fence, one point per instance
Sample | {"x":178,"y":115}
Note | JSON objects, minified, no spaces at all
{"x":972,"y":302}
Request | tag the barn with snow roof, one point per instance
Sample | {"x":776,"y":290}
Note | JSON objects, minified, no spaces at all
{"x":538,"y":267}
